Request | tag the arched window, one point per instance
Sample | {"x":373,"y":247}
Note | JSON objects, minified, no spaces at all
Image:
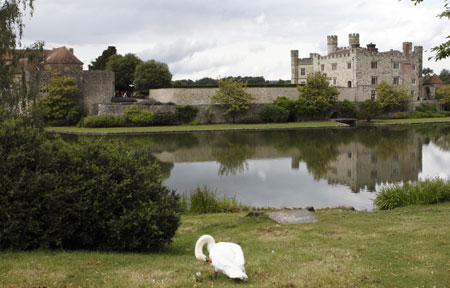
{"x":349,"y":84}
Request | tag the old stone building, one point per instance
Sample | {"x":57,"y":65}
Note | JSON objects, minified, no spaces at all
{"x":359,"y":69}
{"x":96,"y":87}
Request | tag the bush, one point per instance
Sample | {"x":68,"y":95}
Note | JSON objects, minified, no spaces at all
{"x":137,"y":117}
{"x":122,"y":99}
{"x":420,"y":193}
{"x":206,"y":201}
{"x":426,"y":107}
{"x":273,"y":113}
{"x":74,"y":115}
{"x":369,"y":109}
{"x":102,"y":121}
{"x":186,"y":114}
{"x":347,"y":108}
{"x":164,"y":118}
{"x":287,"y":104}
{"x":91,"y":195}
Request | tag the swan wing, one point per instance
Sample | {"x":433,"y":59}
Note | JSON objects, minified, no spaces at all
{"x":228,"y":258}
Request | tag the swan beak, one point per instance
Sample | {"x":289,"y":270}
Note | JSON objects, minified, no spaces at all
{"x":208,"y":260}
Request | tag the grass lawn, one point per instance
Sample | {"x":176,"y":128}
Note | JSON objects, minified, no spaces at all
{"x":405,"y":247}
{"x":182,"y":128}
{"x":410,"y":121}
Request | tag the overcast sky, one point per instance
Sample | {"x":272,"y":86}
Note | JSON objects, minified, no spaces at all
{"x":211,"y":38}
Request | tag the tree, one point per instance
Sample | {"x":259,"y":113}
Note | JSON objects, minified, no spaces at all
{"x":443,"y":50}
{"x":427,"y":73}
{"x":232,"y":96}
{"x":62,"y":102}
{"x":391,"y":98}
{"x":316,"y":96}
{"x":11,"y":31}
{"x":123,"y":67}
{"x":152,"y":75}
{"x":445,"y":76}
{"x":100,"y":62}
{"x":369,"y":109}
{"x":443,"y":93}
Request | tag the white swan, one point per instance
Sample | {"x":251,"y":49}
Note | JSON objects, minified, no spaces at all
{"x":226,"y":257}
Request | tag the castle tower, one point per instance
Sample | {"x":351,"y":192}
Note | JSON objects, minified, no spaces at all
{"x":332,"y":42}
{"x":294,"y":66}
{"x":353,"y":40}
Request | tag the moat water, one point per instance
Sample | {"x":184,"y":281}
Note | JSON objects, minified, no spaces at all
{"x":298,"y":168}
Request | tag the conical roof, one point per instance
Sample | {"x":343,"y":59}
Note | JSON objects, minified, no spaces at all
{"x":62,"y":55}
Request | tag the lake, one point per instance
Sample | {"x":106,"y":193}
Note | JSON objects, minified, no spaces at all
{"x":304,"y":167}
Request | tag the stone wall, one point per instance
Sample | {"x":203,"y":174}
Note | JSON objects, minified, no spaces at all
{"x":263,"y":95}
{"x":200,"y":96}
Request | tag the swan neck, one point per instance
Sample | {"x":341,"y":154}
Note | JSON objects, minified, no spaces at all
{"x":205,"y":239}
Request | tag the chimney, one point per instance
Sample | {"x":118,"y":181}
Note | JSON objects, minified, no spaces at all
{"x":371,"y":47}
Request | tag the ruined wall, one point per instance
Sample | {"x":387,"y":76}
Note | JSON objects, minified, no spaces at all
{"x":97,"y":88}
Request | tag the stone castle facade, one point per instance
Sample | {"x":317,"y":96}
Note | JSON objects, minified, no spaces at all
{"x":96,"y":87}
{"x":359,"y":69}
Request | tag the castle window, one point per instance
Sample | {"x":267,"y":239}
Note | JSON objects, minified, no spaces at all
{"x":372,"y":95}
{"x":334,"y":66}
{"x":413,"y":67}
{"x":374,"y":64}
{"x":412,"y":92}
{"x":396,"y":80}
{"x":349,"y":84}
{"x":322,"y":67}
{"x":413,"y":81}
{"x":349,"y":65}
{"x":374,"y":80}
{"x":302,"y":71}
{"x":395,"y":65}
{"x":334,"y":80}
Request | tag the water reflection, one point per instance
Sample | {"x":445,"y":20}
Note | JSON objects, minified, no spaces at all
{"x":320,"y":167}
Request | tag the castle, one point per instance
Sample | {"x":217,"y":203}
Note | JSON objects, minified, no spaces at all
{"x":96,"y":87}
{"x":359,"y":69}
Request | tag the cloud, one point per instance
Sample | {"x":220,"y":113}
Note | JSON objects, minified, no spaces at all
{"x":233,"y":37}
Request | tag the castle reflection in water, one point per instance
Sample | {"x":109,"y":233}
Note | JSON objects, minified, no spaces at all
{"x":358,"y":158}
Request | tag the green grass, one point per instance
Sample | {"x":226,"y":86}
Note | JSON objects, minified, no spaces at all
{"x":410,"y":121}
{"x":181,"y":128}
{"x":429,"y":191}
{"x":404,"y":247}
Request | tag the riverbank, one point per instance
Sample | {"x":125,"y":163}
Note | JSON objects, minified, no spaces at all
{"x":405,"y":247}
{"x":194,"y":128}
{"x":237,"y":127}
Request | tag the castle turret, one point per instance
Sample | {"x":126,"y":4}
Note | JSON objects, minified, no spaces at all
{"x":332,"y":42}
{"x":294,"y":66}
{"x":407,"y":47}
{"x":353,"y":40}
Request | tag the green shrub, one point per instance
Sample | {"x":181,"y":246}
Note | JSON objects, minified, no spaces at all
{"x":426,"y":107}
{"x":92,"y":195}
{"x":195,"y":122}
{"x":164,"y":118}
{"x":348,"y":109}
{"x":74,"y":115}
{"x":102,"y":121}
{"x":273,"y":113}
{"x":369,"y":109}
{"x":137,"y":117}
{"x":420,"y":193}
{"x":203,"y":200}
{"x":186,"y":114}
{"x":287,"y":104}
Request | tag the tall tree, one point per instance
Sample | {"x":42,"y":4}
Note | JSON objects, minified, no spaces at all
{"x":427,"y":73}
{"x":152,"y":75}
{"x":100,"y":62}
{"x":316,"y":96}
{"x":443,"y":50}
{"x":233,"y":97}
{"x":445,"y":76}
{"x":123,"y":67}
{"x":11,"y":31}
